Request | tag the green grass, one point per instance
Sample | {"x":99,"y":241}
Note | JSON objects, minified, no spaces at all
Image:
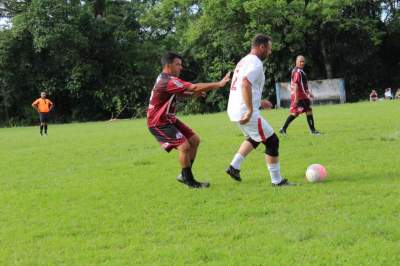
{"x":105,"y":194}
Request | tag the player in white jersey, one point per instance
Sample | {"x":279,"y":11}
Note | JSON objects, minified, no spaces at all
{"x":243,"y":108}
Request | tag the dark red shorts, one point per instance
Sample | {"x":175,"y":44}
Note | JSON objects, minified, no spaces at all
{"x":171,"y":136}
{"x":302,"y":106}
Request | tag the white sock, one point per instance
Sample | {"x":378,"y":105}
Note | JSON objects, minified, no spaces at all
{"x":275,"y":173}
{"x":237,"y":161}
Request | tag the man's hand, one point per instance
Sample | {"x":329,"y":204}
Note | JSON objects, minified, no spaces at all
{"x":225,"y":80}
{"x":265,"y":104}
{"x":246,"y":118}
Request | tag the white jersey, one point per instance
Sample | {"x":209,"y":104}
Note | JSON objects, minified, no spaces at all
{"x":250,"y":67}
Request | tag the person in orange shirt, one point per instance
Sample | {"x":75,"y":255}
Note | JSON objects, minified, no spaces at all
{"x":43,"y":106}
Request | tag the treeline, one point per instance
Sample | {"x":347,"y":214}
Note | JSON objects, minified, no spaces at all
{"x":98,"y":59}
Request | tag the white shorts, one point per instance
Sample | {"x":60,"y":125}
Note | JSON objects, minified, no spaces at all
{"x":257,"y":129}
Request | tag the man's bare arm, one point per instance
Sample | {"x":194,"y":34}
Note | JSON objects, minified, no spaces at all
{"x":248,"y":100}
{"x":35,"y":106}
{"x":201,"y":87}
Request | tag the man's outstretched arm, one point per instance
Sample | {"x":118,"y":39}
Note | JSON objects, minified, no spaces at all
{"x":202,"y":87}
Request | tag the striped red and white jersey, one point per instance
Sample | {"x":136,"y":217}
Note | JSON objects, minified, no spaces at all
{"x":162,"y":106}
{"x":299,"y":77}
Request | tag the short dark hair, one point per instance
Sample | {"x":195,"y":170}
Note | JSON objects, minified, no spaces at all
{"x":169,"y":57}
{"x":260,"y":39}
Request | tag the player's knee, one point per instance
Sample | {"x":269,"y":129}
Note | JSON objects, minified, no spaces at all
{"x":195,"y":140}
{"x":253,"y":142}
{"x":272,"y":145}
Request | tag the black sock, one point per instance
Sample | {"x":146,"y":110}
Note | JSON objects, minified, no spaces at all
{"x":187,"y":173}
{"x":45,"y":129}
{"x":41,"y":129}
{"x":310,"y":121}
{"x":288,"y":121}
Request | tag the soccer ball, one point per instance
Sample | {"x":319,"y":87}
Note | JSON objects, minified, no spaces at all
{"x":315,"y":173}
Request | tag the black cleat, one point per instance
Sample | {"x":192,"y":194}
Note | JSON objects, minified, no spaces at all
{"x":196,"y":184}
{"x":284,"y":182}
{"x":234,"y":173}
{"x":315,"y":133}
{"x":192,"y":183}
{"x":282,"y":132}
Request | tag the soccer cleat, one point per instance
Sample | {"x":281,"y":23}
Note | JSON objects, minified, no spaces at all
{"x":234,"y":173}
{"x":283,"y":132}
{"x":192,"y":183}
{"x":315,"y":133}
{"x":196,"y":184}
{"x":284,"y":182}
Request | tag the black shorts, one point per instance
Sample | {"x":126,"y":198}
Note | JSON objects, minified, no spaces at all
{"x":306,"y":104}
{"x":44,"y":117}
{"x":302,"y":106}
{"x":171,"y":136}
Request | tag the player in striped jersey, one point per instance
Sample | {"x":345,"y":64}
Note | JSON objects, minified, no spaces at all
{"x":300,"y":97}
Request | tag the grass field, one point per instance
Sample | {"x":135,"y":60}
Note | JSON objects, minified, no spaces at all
{"x":105,"y":194}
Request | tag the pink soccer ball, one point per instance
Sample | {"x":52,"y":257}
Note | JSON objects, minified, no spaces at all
{"x":316,"y":173}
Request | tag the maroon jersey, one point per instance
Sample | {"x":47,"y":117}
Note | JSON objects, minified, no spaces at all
{"x":162,"y":106}
{"x":299,"y":77}
{"x":373,"y":95}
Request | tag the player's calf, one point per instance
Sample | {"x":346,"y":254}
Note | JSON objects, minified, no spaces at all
{"x":272,"y":153}
{"x":234,"y":168}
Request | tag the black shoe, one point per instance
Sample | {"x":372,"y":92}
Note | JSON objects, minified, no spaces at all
{"x":41,"y":133}
{"x":234,"y":173}
{"x":196,"y":184}
{"x":282,"y":132}
{"x":315,"y":133}
{"x":284,"y":182}
{"x":192,"y":183}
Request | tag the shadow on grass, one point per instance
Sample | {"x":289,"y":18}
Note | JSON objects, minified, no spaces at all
{"x":142,"y":162}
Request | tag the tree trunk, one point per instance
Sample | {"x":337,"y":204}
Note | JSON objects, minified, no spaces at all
{"x":327,"y":63}
{"x":99,"y":7}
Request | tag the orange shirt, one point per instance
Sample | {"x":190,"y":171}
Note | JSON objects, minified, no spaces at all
{"x":43,"y":105}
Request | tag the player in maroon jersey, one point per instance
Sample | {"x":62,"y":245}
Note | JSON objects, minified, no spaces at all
{"x":169,"y":131}
{"x":300,"y":97}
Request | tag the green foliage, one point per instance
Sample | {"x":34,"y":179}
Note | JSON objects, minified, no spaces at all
{"x":100,"y":58}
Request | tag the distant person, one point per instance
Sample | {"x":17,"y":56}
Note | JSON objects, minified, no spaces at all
{"x":373,"y":96}
{"x":169,"y":131}
{"x":43,"y":106}
{"x":243,"y":109}
{"x":397,"y":95}
{"x":300,"y":98}
{"x":388,"y":94}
